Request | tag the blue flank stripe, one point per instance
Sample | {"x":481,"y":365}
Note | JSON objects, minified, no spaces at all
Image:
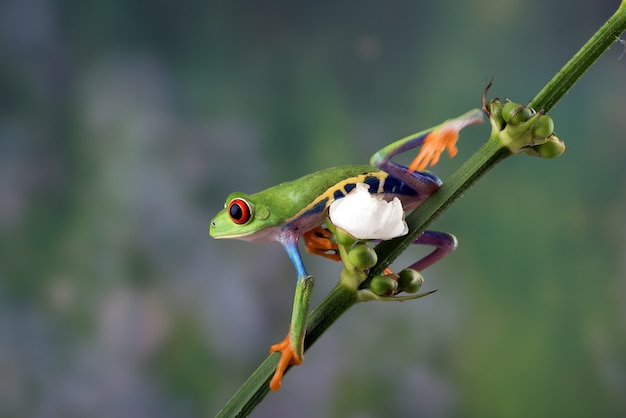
{"x":396,"y":186}
{"x":390,"y":185}
{"x":318,"y":208}
{"x":373,"y":182}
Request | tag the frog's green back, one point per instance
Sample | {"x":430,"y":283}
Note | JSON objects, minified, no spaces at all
{"x":291,"y":198}
{"x":301,"y":201}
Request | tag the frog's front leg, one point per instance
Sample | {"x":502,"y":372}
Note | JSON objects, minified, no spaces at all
{"x":292,"y":347}
{"x":319,"y":241}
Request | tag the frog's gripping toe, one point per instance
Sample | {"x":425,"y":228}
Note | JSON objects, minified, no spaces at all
{"x":444,"y":137}
{"x":288,"y":357}
{"x":434,"y":144}
{"x":318,"y":241}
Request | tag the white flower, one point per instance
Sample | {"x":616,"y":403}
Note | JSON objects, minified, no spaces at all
{"x":366,"y":216}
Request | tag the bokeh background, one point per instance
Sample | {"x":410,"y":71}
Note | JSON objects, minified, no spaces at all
{"x":125,"y":124}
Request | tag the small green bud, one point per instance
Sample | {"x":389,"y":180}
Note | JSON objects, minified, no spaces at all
{"x":410,"y":281}
{"x":362,"y":256}
{"x":344,"y":238}
{"x":509,"y":109}
{"x":552,"y":148}
{"x":521,"y":115}
{"x":494,"y":108}
{"x":330,"y":226}
{"x":543,"y":127}
{"x":383,"y":285}
{"x":514,"y":113}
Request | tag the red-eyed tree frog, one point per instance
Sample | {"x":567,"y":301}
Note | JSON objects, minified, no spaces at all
{"x":290,"y":210}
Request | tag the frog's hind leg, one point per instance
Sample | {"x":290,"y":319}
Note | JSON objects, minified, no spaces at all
{"x":443,"y":242}
{"x":434,"y":140}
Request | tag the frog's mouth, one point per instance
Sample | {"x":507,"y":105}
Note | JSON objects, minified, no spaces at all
{"x":217,"y":230}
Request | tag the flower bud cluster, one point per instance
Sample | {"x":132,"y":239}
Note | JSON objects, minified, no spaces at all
{"x":408,"y":281}
{"x":523,"y":129}
{"x":359,"y":257}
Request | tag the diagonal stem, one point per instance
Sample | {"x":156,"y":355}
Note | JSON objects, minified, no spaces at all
{"x":567,"y":76}
{"x":492,"y":152}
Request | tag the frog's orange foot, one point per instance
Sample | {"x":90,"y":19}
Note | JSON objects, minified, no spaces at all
{"x":288,"y":357}
{"x":434,"y":144}
{"x":318,"y":241}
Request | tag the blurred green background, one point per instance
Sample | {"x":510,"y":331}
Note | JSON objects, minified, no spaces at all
{"x":125,"y":124}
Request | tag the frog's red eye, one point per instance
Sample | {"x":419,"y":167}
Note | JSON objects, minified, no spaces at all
{"x":239,"y":211}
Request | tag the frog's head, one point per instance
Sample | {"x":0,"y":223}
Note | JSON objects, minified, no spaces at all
{"x":243,"y":218}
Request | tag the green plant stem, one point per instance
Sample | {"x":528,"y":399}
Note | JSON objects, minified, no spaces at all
{"x":342,"y":298}
{"x":567,"y":76}
{"x":478,"y":164}
{"x":252,"y":392}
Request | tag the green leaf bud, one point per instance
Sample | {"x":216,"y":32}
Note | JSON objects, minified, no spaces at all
{"x":410,"y":281}
{"x":543,"y":127}
{"x":362,"y":256}
{"x":383,"y":285}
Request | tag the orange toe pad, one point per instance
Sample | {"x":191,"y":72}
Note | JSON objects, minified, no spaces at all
{"x":434,"y":144}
